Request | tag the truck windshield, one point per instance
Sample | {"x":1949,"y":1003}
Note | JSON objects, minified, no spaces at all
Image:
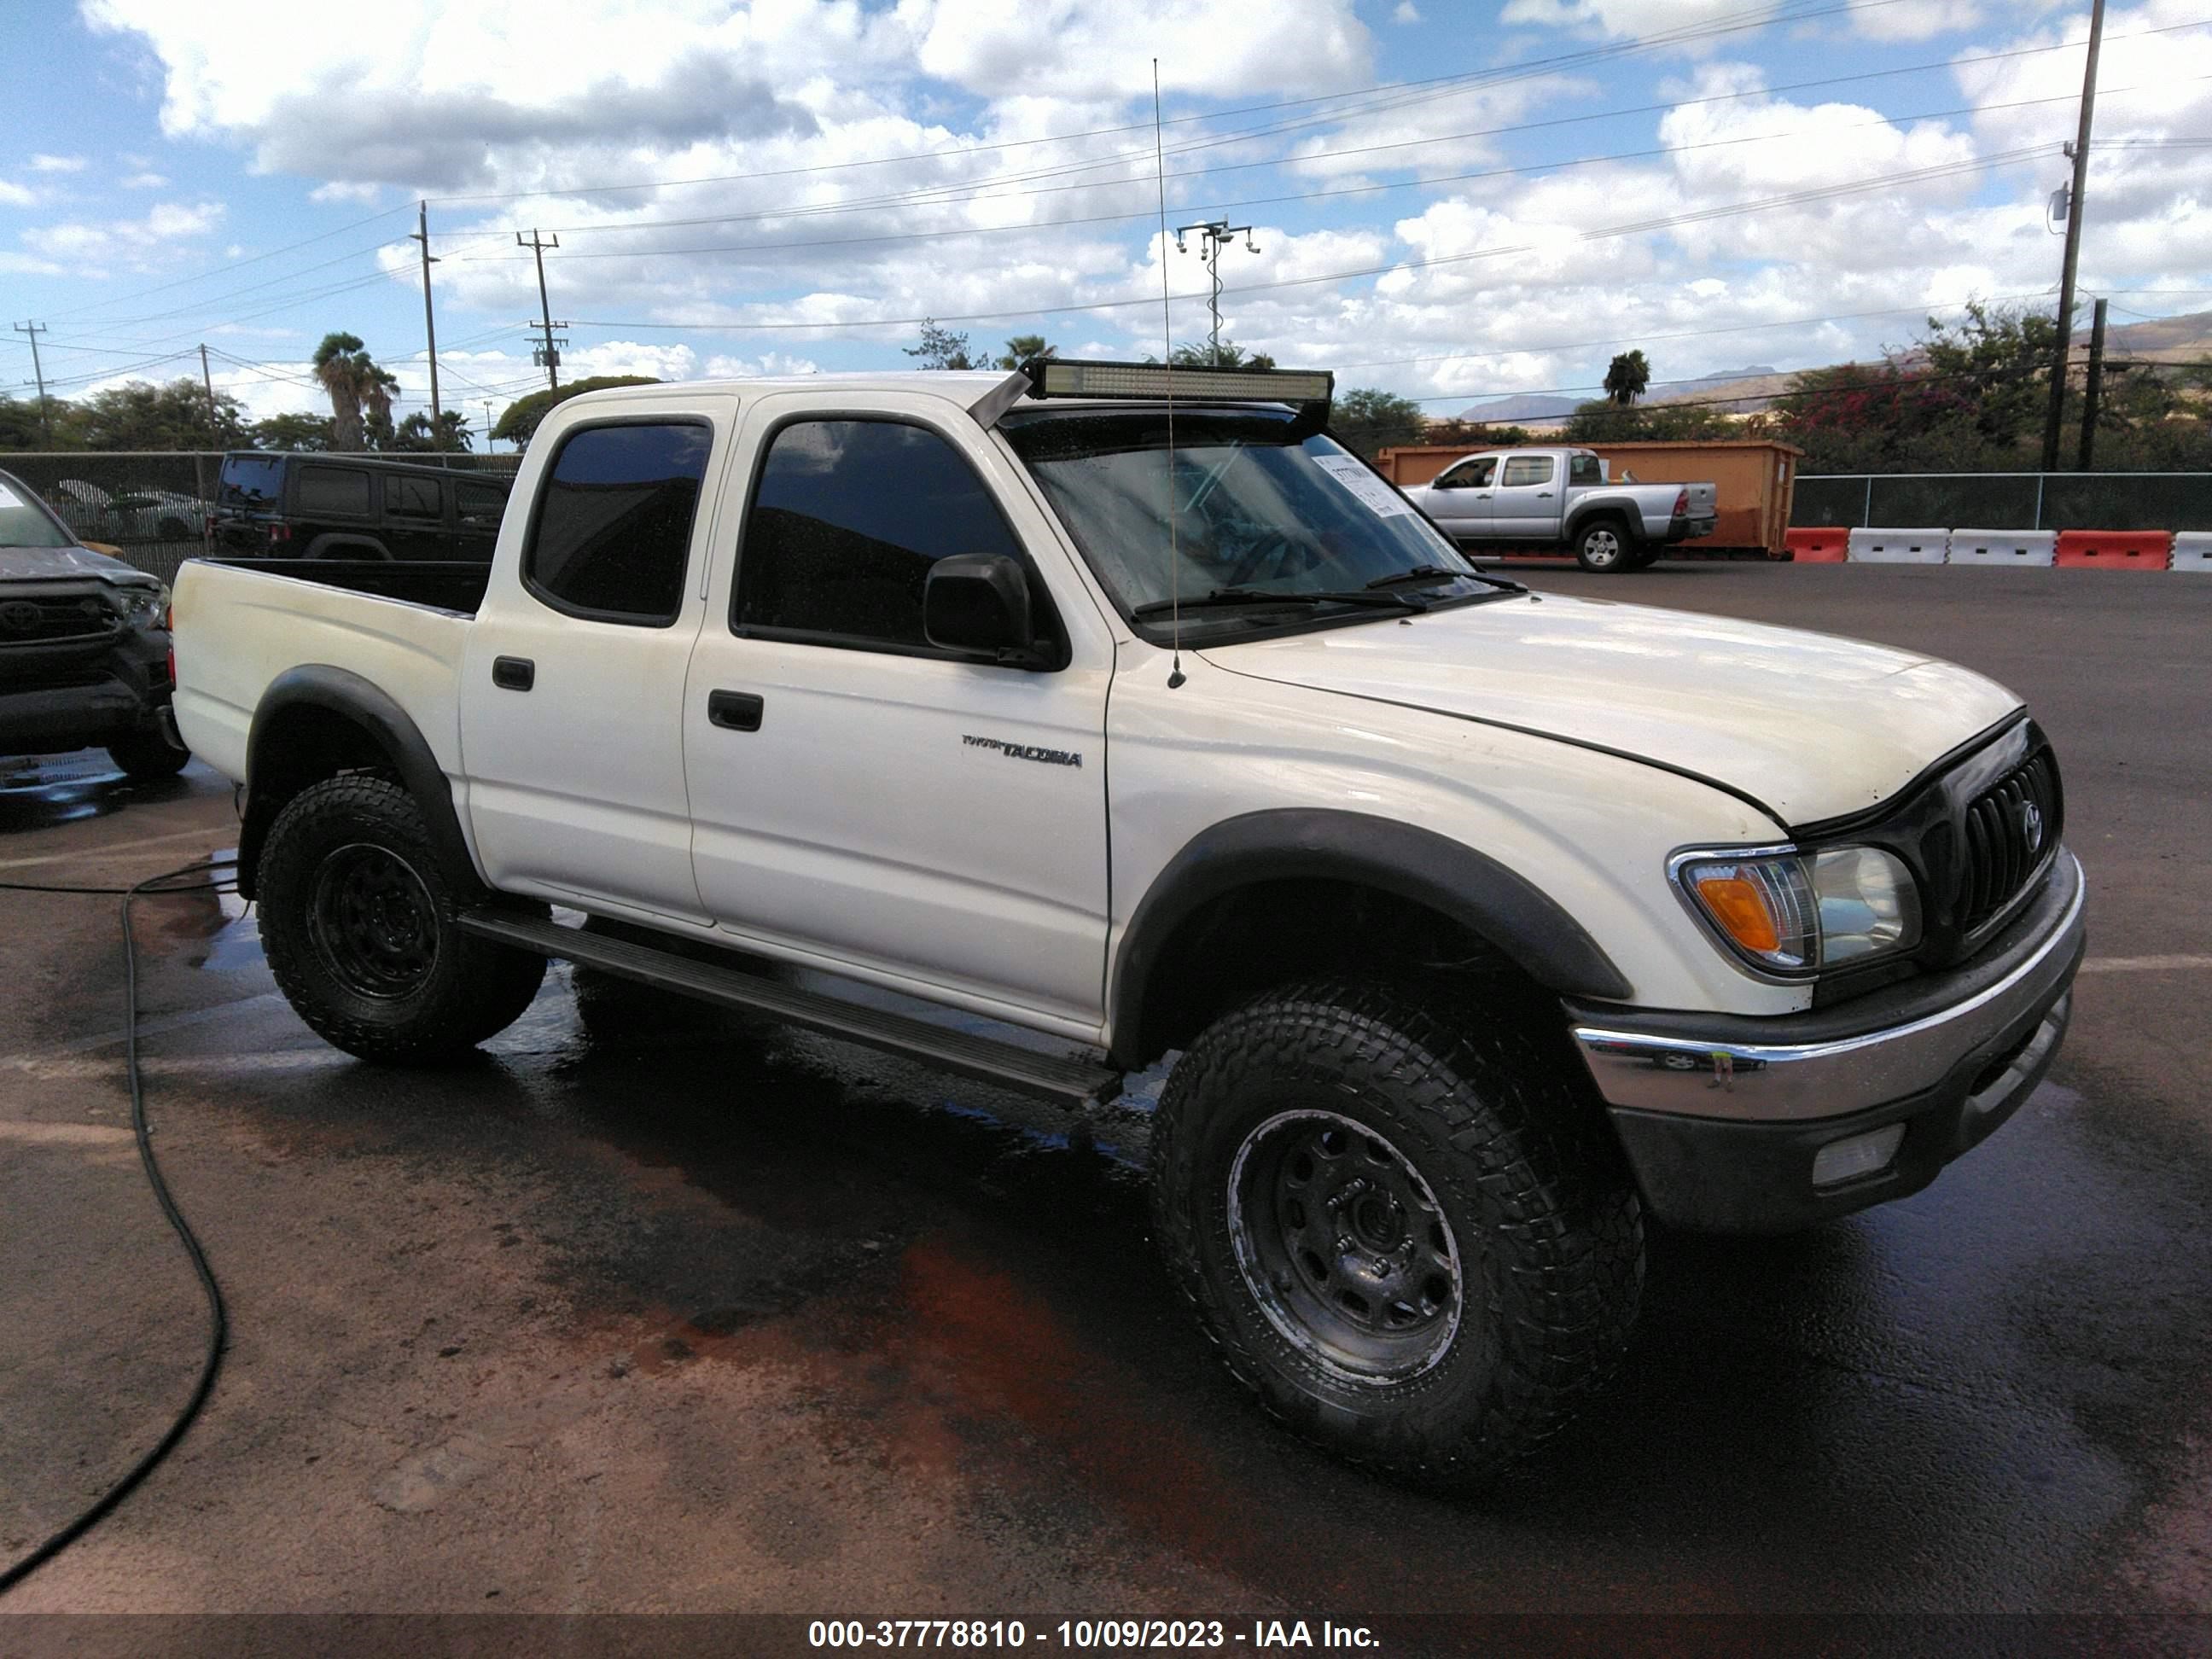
{"x":1261,"y":507}
{"x":252,"y":480}
{"x":24,"y":520}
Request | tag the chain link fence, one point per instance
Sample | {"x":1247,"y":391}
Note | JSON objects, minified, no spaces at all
{"x":2007,"y":500}
{"x":154,"y":504}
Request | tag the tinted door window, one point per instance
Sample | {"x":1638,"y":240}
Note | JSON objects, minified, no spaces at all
{"x":1470,"y":475}
{"x":1526,"y":470}
{"x":1585,"y":470}
{"x":849,"y":517}
{"x":334,"y":489}
{"x":478,"y":500}
{"x":613,"y":530}
{"x":413,"y":498}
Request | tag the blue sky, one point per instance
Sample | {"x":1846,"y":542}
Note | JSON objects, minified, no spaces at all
{"x":1451,"y":201}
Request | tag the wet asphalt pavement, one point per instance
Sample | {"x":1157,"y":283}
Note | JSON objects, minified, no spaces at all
{"x":653,"y":1310}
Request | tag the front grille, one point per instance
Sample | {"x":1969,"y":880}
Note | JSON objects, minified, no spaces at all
{"x":2009,"y":829}
{"x":51,"y":619}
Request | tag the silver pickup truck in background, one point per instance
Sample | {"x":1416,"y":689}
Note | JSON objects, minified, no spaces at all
{"x":1561,"y":498}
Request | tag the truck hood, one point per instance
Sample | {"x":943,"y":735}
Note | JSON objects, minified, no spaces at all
{"x":1809,"y":726}
{"x":45,"y":564}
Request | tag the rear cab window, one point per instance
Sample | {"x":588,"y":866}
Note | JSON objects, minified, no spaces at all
{"x":1585,"y":470}
{"x":611,"y":533}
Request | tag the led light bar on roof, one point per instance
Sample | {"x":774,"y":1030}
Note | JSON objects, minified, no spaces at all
{"x":1057,"y":377}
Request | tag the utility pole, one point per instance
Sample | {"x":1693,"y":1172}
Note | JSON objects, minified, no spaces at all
{"x":1212,"y":234}
{"x":215,"y":421}
{"x":548,"y":353}
{"x":2080,"y":152}
{"x":488,"y":425}
{"x":429,"y":323}
{"x":2094,"y":388}
{"x":35,"y":329}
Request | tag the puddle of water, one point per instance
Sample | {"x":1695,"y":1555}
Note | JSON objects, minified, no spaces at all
{"x":37,"y":792}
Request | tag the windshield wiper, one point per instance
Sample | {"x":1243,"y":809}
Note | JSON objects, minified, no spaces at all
{"x":1430,"y":573}
{"x":1226,"y":596}
{"x":1419,"y":573}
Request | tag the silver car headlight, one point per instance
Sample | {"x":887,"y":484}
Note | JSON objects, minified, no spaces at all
{"x":1794,"y":913}
{"x":140,"y":605}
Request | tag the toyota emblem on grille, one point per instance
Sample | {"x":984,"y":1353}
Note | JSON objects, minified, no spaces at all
{"x":19,"y":617}
{"x":2031,"y":826}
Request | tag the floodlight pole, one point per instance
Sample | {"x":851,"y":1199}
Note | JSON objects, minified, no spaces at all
{"x":1213,"y":233}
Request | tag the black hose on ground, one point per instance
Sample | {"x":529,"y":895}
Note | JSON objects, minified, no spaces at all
{"x":218,"y":1323}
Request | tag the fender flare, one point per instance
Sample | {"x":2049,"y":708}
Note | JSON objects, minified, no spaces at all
{"x":368,"y":705}
{"x":1630,"y":515}
{"x":1495,"y":903}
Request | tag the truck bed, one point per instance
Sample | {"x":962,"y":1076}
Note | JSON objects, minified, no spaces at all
{"x":241,"y":623}
{"x":456,"y":585}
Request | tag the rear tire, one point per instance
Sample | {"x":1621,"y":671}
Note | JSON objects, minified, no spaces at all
{"x":1604,"y":545}
{"x":1398,"y":1225}
{"x":358,"y":919}
{"x":152,"y":752}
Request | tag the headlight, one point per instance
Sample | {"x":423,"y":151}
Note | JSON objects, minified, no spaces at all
{"x":1796,"y":913}
{"x":142,"y":605}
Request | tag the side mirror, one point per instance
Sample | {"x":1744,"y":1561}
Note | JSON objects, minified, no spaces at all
{"x":977,"y":602}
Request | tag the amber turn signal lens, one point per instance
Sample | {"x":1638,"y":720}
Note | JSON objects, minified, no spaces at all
{"x":1738,"y":905}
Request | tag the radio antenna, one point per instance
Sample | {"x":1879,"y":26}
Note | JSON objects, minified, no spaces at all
{"x":1167,"y":361}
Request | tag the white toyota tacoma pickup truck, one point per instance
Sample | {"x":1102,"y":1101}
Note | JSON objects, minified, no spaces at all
{"x":1482,"y":924}
{"x":1561,"y":498}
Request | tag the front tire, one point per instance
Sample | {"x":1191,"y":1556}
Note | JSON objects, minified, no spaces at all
{"x":358,"y":917}
{"x":152,"y":752}
{"x":1604,"y":546}
{"x":1397,"y":1227}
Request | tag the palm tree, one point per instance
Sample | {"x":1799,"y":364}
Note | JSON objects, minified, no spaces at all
{"x":355,"y":382}
{"x":1626,"y":379}
{"x":1025,"y":348}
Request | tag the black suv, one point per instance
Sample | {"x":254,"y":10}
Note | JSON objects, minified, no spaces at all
{"x":346,"y":506}
{"x":84,"y":647}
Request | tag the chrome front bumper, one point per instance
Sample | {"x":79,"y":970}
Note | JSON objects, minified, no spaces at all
{"x":1734,"y":1070}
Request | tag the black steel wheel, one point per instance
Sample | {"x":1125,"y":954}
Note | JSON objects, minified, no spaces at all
{"x":373,"y":921}
{"x":1401,"y":1227}
{"x":1344,"y":1247}
{"x":358,"y":919}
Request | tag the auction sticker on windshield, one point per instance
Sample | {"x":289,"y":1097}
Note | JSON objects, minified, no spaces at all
{"x":9,"y":498}
{"x":1354,"y":477}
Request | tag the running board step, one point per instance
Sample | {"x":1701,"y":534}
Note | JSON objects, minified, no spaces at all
{"x":1065,"y":1080}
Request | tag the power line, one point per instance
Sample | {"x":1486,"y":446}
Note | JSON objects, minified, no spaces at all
{"x":2005,"y":158}
{"x":1756,"y":18}
{"x":1427,"y":183}
{"x":980,"y":191}
{"x":305,"y":296}
{"x":237,"y":264}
